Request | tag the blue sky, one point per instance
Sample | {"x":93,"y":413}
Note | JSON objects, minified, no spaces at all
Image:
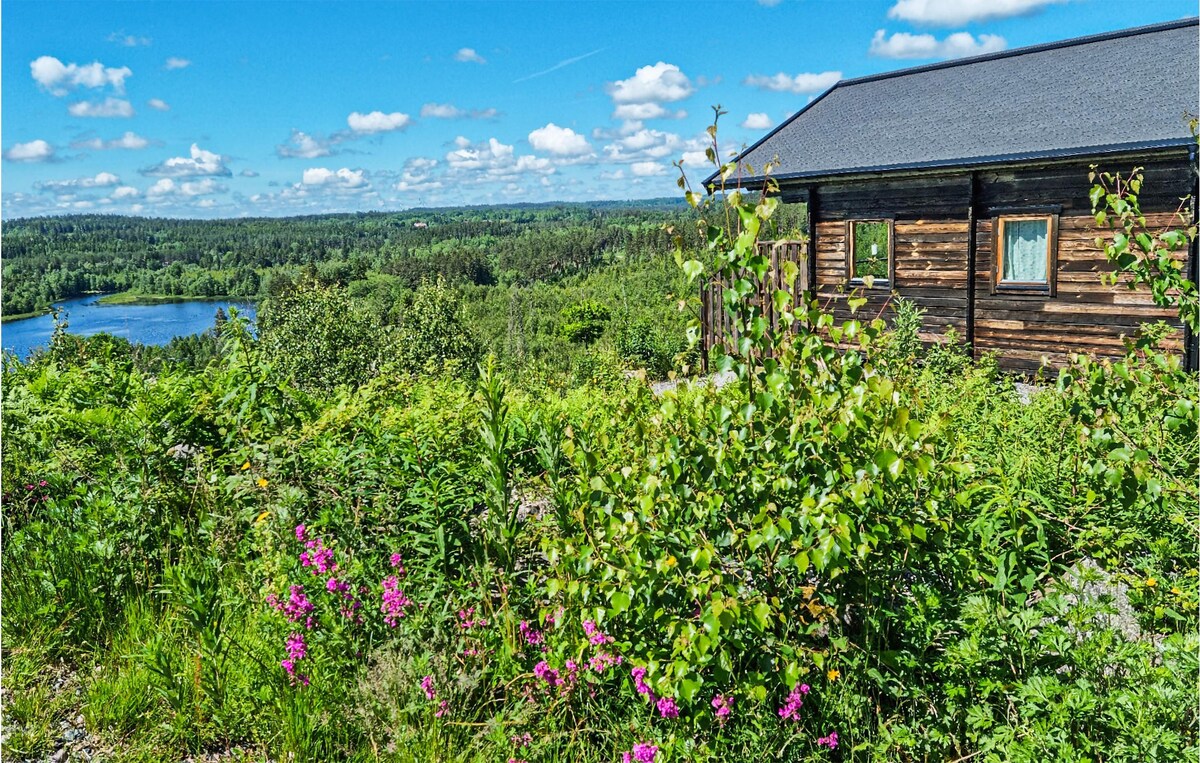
{"x":245,"y":109}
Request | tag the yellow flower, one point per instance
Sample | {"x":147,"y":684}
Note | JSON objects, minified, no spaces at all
{"x":245,"y":466}
{"x":1175,"y":590}
{"x":261,"y":517}
{"x":1151,"y":582}
{"x":262,"y":482}
{"x":833,"y":675}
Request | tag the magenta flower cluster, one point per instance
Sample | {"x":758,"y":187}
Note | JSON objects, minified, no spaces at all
{"x":595,"y":636}
{"x":639,"y":682}
{"x":667,"y":707}
{"x":532,"y":636}
{"x":297,"y":609}
{"x":394,"y":601}
{"x":317,"y":556}
{"x":830,"y":741}
{"x":431,"y":695}
{"x":297,"y":650}
{"x":32,"y":487}
{"x":467,"y":621}
{"x":791,"y":709}
{"x":642,"y":752}
{"x":722,"y":706}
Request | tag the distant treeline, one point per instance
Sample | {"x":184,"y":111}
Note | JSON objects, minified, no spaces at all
{"x":54,"y":258}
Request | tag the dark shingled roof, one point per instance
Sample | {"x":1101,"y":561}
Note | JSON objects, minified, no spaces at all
{"x":1111,"y":92}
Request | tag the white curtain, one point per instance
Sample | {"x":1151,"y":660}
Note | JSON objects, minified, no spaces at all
{"x":1025,"y":250}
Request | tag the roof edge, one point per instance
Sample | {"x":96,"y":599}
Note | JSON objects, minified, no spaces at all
{"x":741,"y":154}
{"x":1056,"y":45}
{"x":1081,"y":152}
{"x":1027,"y":49}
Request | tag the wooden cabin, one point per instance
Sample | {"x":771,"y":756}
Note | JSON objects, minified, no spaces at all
{"x":963,"y":186}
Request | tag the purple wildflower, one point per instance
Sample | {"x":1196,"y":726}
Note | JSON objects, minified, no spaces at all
{"x":723,"y":705}
{"x":795,"y":700}
{"x":394,"y":601}
{"x":830,"y":741}
{"x":667,"y":707}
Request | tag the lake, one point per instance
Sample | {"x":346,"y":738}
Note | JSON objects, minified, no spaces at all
{"x":147,"y":324}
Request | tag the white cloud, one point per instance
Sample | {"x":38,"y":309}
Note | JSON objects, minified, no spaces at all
{"x":957,"y":45}
{"x":130,"y":140}
{"x":794,"y":83}
{"x":109,"y":107}
{"x":636,"y":112}
{"x":174,"y":62}
{"x":101,"y":180}
{"x":647,"y":169}
{"x":168,"y":187}
{"x":59,"y":78}
{"x":33,"y":152}
{"x":618,"y":174}
{"x":125,"y":192}
{"x":128,"y":40}
{"x":469,"y":56}
{"x":660,"y":83}
{"x":492,"y":160}
{"x":343,"y":178}
{"x":158,"y":104}
{"x":377,"y":121}
{"x":442,"y":111}
{"x":958,"y":12}
{"x":301,"y":145}
{"x":645,"y":145}
{"x":758,"y":121}
{"x":199,"y":163}
{"x":418,"y":176}
{"x":248,"y":174}
{"x":450,"y":111}
{"x":560,"y":141}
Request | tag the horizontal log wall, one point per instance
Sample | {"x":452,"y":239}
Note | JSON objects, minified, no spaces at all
{"x":930,"y":248}
{"x":931,"y":253}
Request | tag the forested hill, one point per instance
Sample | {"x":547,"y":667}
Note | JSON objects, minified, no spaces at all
{"x":53,"y":258}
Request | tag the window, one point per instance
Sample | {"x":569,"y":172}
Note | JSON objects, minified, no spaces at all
{"x":870,"y":252}
{"x":1025,"y":253}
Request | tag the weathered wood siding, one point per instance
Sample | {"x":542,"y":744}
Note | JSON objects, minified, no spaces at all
{"x":931,"y":249}
{"x":1084,"y":315}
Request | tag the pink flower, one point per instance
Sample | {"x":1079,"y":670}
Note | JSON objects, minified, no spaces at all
{"x":639,"y":682}
{"x":546,"y":673}
{"x":522,"y":740}
{"x":532,"y":636}
{"x":723,"y":705}
{"x":398,"y":564}
{"x":603,"y":660}
{"x":394,"y":601}
{"x":667,"y":708}
{"x":297,"y":609}
{"x":595,"y":636}
{"x":642,"y":752}
{"x":795,"y":700}
{"x":427,"y":687}
{"x":443,"y":707}
{"x":830,"y":741}
{"x":300,"y":530}
{"x":318,"y":556}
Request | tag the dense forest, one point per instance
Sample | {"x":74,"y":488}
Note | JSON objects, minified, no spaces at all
{"x":429,"y":508}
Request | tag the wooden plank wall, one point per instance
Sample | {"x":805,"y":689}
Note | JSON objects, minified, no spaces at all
{"x":931,"y":246}
{"x":1084,"y":315}
{"x":930,"y":230}
{"x":715,"y":322}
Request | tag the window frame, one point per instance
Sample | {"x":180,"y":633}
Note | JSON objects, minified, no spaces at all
{"x":1047,"y":288}
{"x":879,"y":283}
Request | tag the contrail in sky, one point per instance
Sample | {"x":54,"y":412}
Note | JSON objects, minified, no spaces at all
{"x":561,"y":64}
